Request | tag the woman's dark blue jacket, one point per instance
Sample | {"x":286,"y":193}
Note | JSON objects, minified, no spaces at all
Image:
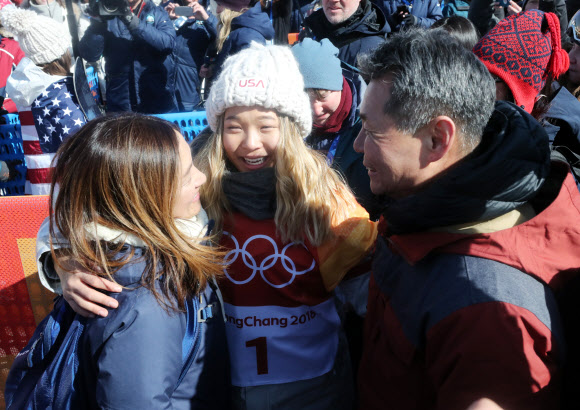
{"x":132,"y":358}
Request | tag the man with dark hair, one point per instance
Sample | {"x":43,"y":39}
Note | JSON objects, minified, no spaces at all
{"x":353,"y":26}
{"x":479,"y":231}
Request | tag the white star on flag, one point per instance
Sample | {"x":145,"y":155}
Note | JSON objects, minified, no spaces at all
{"x":66,"y":111}
{"x":46,"y":111}
{"x":57,"y":85}
{"x":78,"y":122}
{"x":65,"y":130}
{"x":56,"y":102}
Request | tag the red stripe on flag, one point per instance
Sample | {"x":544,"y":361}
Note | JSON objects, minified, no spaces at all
{"x":31,"y":147}
{"x":39,"y":176}
{"x":26,"y":118}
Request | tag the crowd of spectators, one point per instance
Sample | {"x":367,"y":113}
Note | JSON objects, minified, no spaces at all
{"x":441,"y":128}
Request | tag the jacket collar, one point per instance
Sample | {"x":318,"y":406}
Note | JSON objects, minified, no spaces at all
{"x":544,"y":246}
{"x":505,"y":171}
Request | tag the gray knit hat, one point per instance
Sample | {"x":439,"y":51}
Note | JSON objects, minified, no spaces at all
{"x":319,"y":64}
{"x":264,"y":76}
{"x":42,"y":39}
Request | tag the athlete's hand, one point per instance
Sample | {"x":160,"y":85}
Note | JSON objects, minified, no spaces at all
{"x":80,"y":289}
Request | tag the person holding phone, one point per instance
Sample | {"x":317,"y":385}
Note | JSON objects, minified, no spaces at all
{"x":485,"y":14}
{"x":406,"y":13}
{"x":196,"y":30}
{"x":138,"y":51}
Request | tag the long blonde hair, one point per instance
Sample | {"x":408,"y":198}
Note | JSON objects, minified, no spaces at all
{"x":121,"y":172}
{"x":225,"y":26}
{"x":310,"y":196}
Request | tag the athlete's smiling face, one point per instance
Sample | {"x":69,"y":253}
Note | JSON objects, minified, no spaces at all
{"x":250,"y":137}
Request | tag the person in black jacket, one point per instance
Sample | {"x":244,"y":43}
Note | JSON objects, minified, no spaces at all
{"x":353,"y":26}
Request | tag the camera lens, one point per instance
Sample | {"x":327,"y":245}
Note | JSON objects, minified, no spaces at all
{"x":110,"y":6}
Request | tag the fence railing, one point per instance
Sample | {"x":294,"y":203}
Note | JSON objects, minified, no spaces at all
{"x":12,"y":152}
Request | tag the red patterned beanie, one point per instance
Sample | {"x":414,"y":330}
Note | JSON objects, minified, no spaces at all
{"x":523,"y":50}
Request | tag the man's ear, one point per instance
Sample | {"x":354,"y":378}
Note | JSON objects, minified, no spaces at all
{"x":440,"y":137}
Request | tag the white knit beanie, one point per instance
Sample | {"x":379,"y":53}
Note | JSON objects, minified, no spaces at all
{"x":42,"y":39}
{"x":264,"y":76}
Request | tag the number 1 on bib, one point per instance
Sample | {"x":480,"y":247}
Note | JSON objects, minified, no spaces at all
{"x":261,"y":353}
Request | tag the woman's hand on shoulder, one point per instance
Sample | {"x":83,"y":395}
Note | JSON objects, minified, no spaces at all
{"x":80,"y":289}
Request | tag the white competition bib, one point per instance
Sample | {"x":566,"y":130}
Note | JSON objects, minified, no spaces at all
{"x":274,"y":344}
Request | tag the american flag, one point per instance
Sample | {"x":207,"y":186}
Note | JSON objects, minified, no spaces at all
{"x":54,"y":116}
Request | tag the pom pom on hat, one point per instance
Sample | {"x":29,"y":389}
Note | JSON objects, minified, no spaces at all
{"x":264,"y":76}
{"x":522,"y":50}
{"x":319,"y":64}
{"x":42,"y":39}
{"x":560,"y":62}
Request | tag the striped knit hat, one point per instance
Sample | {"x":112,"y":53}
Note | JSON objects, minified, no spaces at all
{"x":523,"y":50}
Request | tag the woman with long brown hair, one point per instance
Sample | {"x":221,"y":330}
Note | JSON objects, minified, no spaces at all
{"x":125,"y":198}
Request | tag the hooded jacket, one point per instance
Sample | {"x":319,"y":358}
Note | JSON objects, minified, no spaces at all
{"x":461,"y":300}
{"x":361,"y":33}
{"x":139,"y":64}
{"x":253,"y":25}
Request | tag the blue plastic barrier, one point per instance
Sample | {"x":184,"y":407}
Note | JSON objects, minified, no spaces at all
{"x":11,"y":150}
{"x":12,"y":153}
{"x":190,"y":123}
{"x":11,"y":119}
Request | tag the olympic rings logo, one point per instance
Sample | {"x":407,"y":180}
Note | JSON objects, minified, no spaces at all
{"x":267,"y":263}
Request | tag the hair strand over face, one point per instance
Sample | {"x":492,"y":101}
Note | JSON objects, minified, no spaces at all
{"x":310,"y":196}
{"x":122,"y":172}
